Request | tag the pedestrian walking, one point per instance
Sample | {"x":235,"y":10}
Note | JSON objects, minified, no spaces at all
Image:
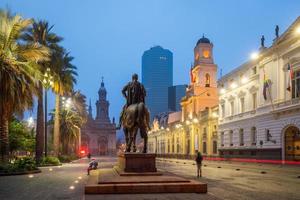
{"x":198,"y":160}
{"x":89,"y":156}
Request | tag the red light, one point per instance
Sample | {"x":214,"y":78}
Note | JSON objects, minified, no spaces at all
{"x":82,"y":151}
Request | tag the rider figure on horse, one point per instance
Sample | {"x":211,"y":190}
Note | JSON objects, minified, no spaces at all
{"x":135,"y":93}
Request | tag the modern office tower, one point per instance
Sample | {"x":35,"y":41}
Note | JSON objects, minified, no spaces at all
{"x":176,"y":93}
{"x":157,"y":77}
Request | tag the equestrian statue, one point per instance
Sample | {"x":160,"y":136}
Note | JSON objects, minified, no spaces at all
{"x":134,"y":116}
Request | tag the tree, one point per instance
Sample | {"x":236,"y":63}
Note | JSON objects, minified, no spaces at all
{"x":20,"y":137}
{"x":19,"y":72}
{"x":72,"y":117}
{"x":63,"y":85}
{"x":41,"y":33}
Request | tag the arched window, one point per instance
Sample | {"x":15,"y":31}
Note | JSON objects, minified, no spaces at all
{"x":241,"y":137}
{"x":207,"y":80}
{"x":253,"y":135}
{"x":231,"y":137}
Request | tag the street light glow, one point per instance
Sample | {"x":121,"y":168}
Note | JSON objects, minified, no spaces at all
{"x":233,"y":85}
{"x":298,"y":30}
{"x":71,"y":187}
{"x":254,"y":55}
{"x":222,"y":91}
{"x":244,"y":80}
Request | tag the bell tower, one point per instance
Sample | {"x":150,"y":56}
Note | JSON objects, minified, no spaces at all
{"x":202,"y":90}
{"x":102,"y":104}
{"x":204,"y":71}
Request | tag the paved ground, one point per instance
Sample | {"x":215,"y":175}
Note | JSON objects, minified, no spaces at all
{"x":223,"y":183}
{"x":47,"y":185}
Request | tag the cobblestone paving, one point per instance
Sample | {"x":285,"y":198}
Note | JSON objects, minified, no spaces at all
{"x":225,"y":182}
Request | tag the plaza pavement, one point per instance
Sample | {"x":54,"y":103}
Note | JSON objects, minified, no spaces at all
{"x":223,"y":178}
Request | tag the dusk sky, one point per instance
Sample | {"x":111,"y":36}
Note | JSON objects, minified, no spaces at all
{"x":108,"y":38}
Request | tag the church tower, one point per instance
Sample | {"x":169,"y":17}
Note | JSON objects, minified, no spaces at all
{"x":102,"y":104}
{"x":202,"y":90}
{"x":90,"y":114}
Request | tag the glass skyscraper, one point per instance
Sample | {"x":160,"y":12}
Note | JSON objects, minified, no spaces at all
{"x":176,"y":93}
{"x":157,"y":76}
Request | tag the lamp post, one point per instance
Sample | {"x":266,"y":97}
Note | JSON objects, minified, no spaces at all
{"x":47,"y":83}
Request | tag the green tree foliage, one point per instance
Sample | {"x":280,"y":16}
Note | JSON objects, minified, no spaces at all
{"x":21,"y":138}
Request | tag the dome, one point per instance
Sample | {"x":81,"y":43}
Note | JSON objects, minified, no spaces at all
{"x":203,"y":40}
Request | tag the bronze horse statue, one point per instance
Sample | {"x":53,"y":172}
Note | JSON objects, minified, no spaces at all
{"x":136,"y":118}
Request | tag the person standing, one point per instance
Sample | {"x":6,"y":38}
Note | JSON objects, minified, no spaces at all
{"x":198,"y":160}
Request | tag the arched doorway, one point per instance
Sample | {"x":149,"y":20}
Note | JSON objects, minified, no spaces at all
{"x":292,"y":143}
{"x":102,"y":146}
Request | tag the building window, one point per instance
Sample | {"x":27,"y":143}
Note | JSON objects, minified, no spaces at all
{"x":230,"y":137}
{"x":173,"y":145}
{"x":207,"y":80}
{"x":188,"y":147}
{"x":204,"y":133}
{"x":253,"y":135}
{"x":232,"y":108}
{"x":254,"y":101}
{"x":177,"y":146}
{"x":215,"y":147}
{"x":242,"y":102}
{"x":222,"y":139}
{"x":296,"y":84}
{"x":241,"y":137}
{"x":223,"y":110}
{"x":254,"y":70}
{"x":206,"y":54}
{"x":204,"y":147}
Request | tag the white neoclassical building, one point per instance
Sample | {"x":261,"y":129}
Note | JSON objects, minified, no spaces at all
{"x":260,"y":124}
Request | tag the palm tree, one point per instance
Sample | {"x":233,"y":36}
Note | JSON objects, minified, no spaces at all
{"x":19,"y":72}
{"x":71,"y":120}
{"x":63,"y":85}
{"x":41,"y":33}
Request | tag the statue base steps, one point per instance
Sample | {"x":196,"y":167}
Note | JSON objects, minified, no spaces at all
{"x":117,"y":181}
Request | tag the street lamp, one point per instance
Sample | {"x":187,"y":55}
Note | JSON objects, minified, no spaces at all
{"x":47,"y":83}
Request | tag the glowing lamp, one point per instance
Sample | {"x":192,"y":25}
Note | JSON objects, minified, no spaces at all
{"x":82,"y":151}
{"x":244,"y":80}
{"x":254,"y":55}
{"x":298,"y":30}
{"x":233,"y":85}
{"x":222,"y":91}
{"x":195,"y":120}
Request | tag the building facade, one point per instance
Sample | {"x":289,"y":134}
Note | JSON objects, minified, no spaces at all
{"x":259,"y":103}
{"x":157,"y":76}
{"x":180,"y":134}
{"x":175,"y":94}
{"x":98,"y":136}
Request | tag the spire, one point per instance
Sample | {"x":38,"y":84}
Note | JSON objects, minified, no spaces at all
{"x":90,"y":109}
{"x":102,"y":82}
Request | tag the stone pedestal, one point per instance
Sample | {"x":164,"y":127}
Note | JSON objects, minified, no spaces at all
{"x":136,"y":173}
{"x":137,"y":162}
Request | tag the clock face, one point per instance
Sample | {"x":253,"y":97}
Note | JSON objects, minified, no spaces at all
{"x":206,"y":54}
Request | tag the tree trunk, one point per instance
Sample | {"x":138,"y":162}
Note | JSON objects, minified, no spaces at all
{"x":56,"y":134}
{"x":40,"y":134}
{"x":4,"y":144}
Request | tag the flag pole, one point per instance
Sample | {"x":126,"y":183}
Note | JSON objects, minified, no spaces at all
{"x":269,"y":85}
